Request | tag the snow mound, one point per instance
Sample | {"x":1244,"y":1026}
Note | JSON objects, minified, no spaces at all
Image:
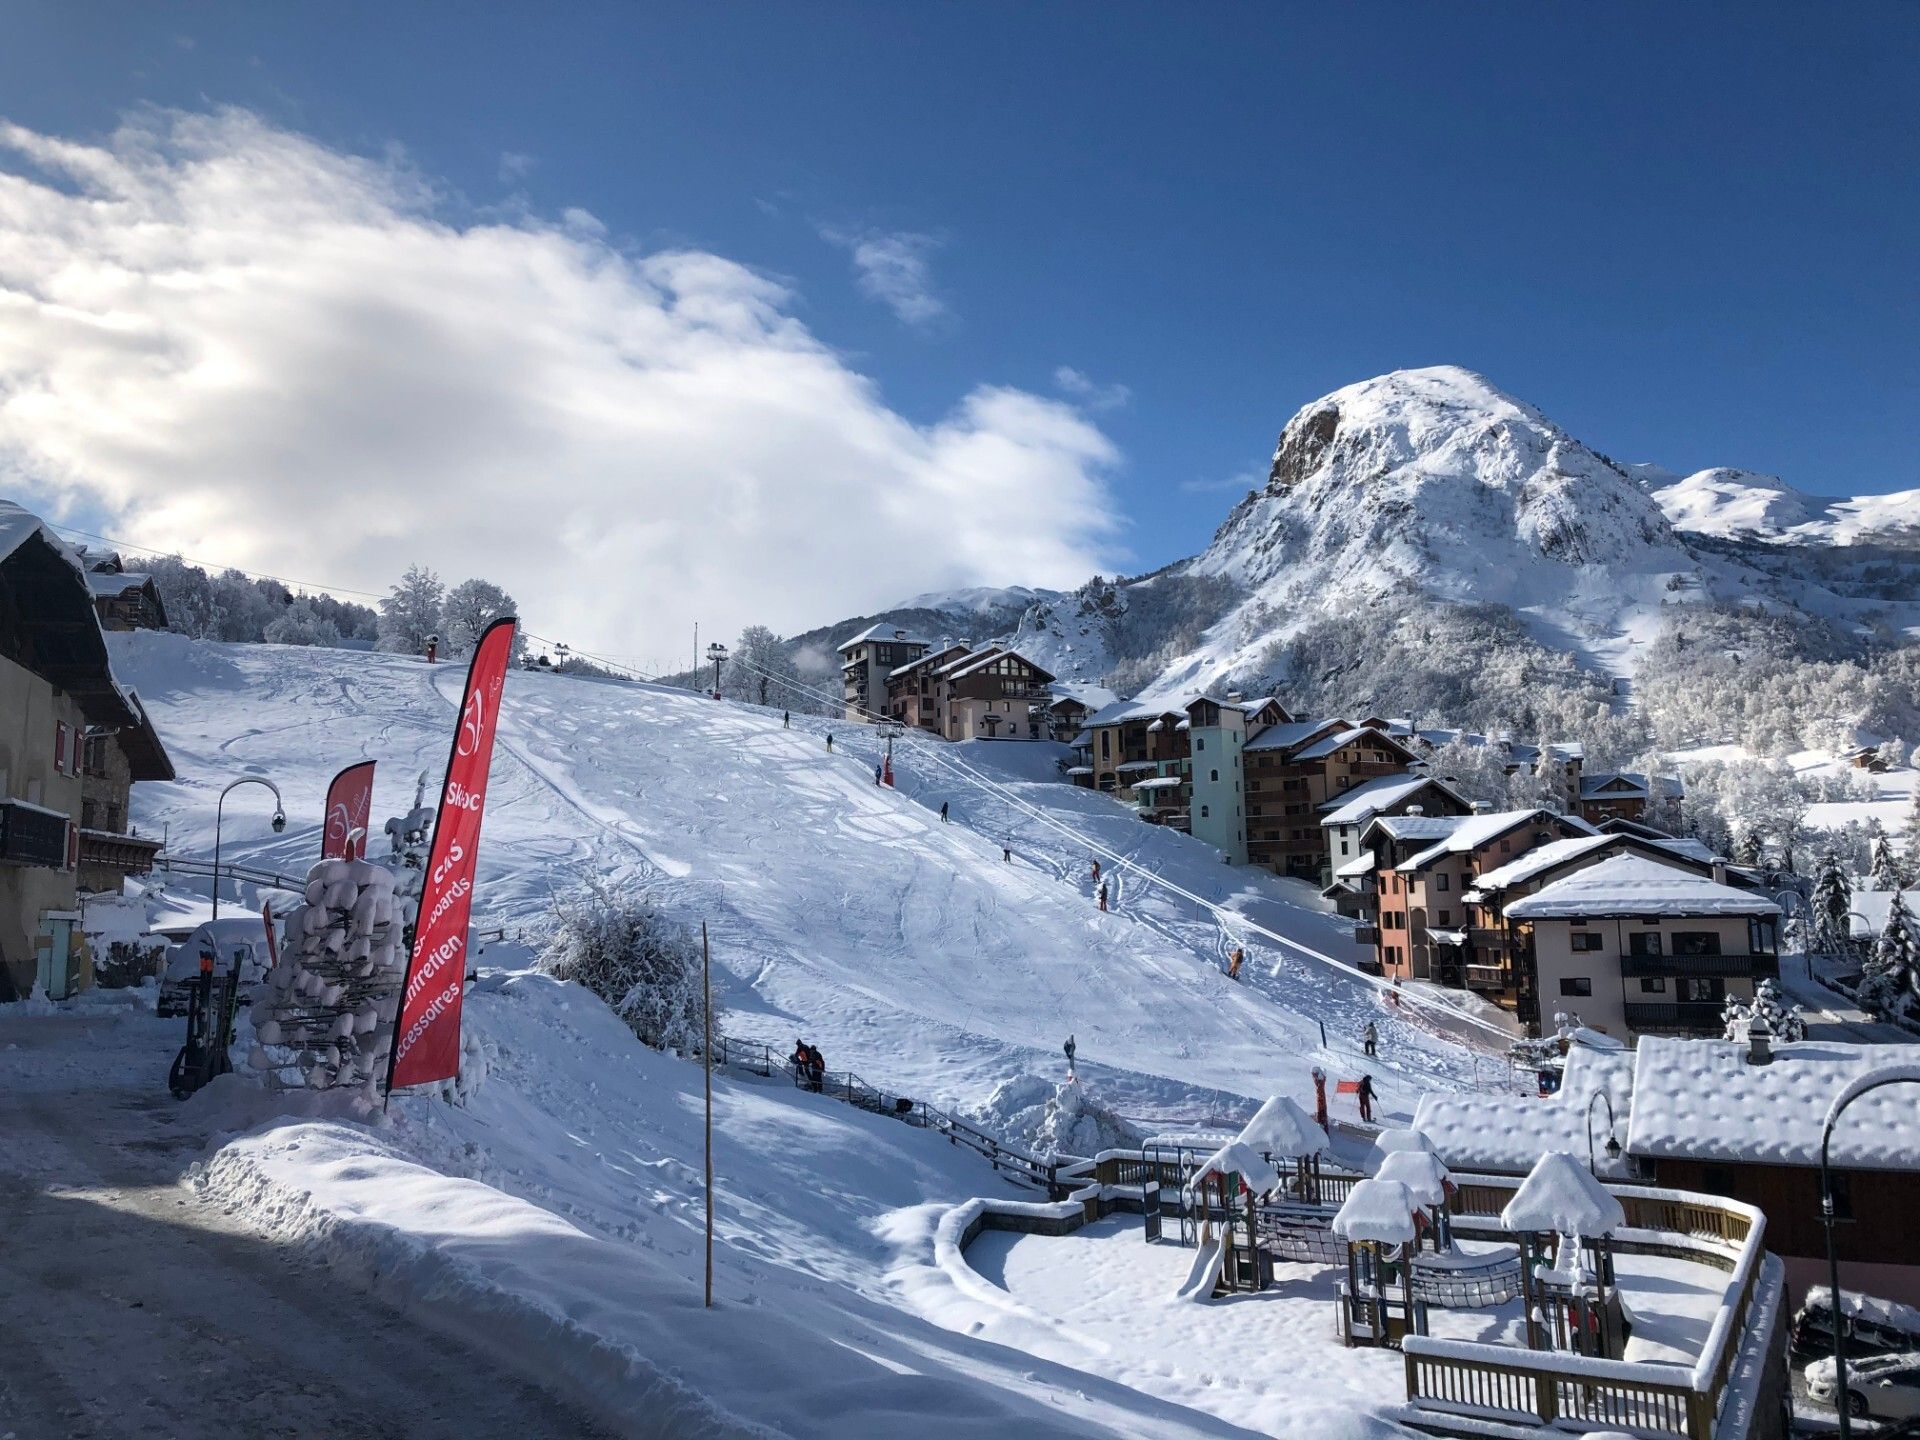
{"x":1050,"y":1119}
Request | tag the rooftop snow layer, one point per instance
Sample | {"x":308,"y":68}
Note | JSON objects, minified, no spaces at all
{"x":1420,"y":1171}
{"x":1506,"y":1134}
{"x":1702,"y":1100}
{"x":1379,"y":1210}
{"x":1236,"y":1157}
{"x":1288,"y":733}
{"x":1362,"y":803}
{"x":1559,"y":1195}
{"x":1634,"y":885}
{"x":1282,"y":1128}
{"x":1472,"y":832}
{"x":891,"y":633}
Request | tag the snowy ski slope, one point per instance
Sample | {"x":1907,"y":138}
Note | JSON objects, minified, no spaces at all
{"x":908,"y":950}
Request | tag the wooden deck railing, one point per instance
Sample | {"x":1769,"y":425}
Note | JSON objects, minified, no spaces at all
{"x":1496,"y":1382}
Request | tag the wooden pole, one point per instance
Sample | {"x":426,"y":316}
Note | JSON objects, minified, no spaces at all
{"x":706,"y":1055}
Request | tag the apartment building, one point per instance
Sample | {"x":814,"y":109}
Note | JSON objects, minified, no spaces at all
{"x":1295,"y":767}
{"x":1133,"y":740}
{"x":1345,"y":817}
{"x":1424,"y":866}
{"x":1217,"y":732}
{"x":1638,"y":944}
{"x":960,"y":693}
{"x":867,"y":660}
{"x":1627,"y":795}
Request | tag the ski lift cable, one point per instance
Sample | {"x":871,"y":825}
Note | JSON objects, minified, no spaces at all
{"x":1227,"y":919}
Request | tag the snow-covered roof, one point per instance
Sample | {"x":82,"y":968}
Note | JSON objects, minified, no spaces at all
{"x":1280,"y":1127}
{"x":1094,"y":697}
{"x":1447,"y":937}
{"x":116,"y":582}
{"x":1702,"y":1100}
{"x":1287,"y":734}
{"x":1080,"y":770}
{"x":927,"y":659}
{"x":1635,"y":885}
{"x":1536,"y":860}
{"x":1627,"y":785}
{"x":1473,"y":831}
{"x":1391,"y":1142}
{"x":1237,"y":1157}
{"x":1420,"y":1171}
{"x":1362,"y":803}
{"x":1417,"y":827}
{"x":1506,"y":1134}
{"x":889,"y":633}
{"x":1322,"y":748}
{"x":1161,"y":782}
{"x":1361,"y":864}
{"x":1376,"y":1210}
{"x":965,"y":666}
{"x":1559,"y":1195}
{"x":1121,"y":711}
{"x":1136,"y":765}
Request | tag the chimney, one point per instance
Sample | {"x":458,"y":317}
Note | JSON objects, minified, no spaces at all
{"x":1759,"y":1041}
{"x":899,"y":634}
{"x":1416,"y":809}
{"x":1719,"y":871}
{"x":1234,"y":697}
{"x":1482,"y":807}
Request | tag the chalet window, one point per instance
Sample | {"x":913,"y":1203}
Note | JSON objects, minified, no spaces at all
{"x":1343,"y":847}
{"x":1644,"y":944}
{"x":1713,"y":988}
{"x":1760,"y":936}
{"x":1696,"y":942}
{"x":1653,"y":985}
{"x":1203,"y":812}
{"x":1440,"y":881}
{"x":1200,"y":742}
{"x":1445,"y":919}
{"x":1576,"y":985}
{"x":1506,"y":847}
{"x":1586,"y":940}
{"x":1213,"y":774}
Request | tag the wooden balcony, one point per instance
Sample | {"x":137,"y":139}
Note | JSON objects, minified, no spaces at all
{"x":1757,"y":967}
{"x":1690,"y":1017}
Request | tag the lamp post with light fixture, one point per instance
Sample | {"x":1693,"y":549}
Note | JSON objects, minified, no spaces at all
{"x":279,"y":824}
{"x":1612,"y":1147}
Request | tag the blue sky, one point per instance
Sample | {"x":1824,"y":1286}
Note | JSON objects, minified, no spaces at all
{"x":1689,"y":233}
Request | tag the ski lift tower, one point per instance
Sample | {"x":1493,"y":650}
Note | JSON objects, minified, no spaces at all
{"x":888,"y":729}
{"x":717,"y":653}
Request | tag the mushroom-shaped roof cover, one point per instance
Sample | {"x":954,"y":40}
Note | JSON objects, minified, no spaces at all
{"x":1561,"y":1196}
{"x":1420,"y":1171}
{"x":1282,"y":1128}
{"x":1237,"y":1157}
{"x":1376,"y":1210}
{"x":1388,"y":1141}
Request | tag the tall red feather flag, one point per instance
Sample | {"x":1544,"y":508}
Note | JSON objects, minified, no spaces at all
{"x":426,"y":1045}
{"x":349,"y":803}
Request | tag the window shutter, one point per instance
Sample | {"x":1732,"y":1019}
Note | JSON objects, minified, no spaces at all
{"x":73,"y":846}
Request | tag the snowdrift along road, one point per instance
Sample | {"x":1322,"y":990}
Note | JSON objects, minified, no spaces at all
{"x":843,"y":911}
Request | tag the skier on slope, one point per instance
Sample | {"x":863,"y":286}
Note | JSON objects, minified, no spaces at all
{"x":877,"y":770}
{"x":1320,"y":1097}
{"x":943,"y":812}
{"x":1369,"y":1038}
{"x":1365,"y":1095}
{"x":1006,"y":851}
{"x":829,"y":742}
{"x":1096,"y":872}
{"x":1234,"y":962}
{"x":1103,"y":897}
{"x":786,"y":719}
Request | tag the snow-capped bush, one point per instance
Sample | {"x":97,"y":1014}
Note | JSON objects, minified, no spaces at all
{"x":1784,"y":1022}
{"x":1890,"y":983}
{"x":642,"y":962}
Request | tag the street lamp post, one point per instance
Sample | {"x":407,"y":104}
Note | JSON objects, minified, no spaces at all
{"x":279,"y":824}
{"x":1613,"y":1145}
{"x":1866,"y":1084}
{"x":717,"y":653}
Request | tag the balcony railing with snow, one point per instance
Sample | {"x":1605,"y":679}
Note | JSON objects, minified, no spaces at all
{"x":1479,"y":1382}
{"x":1759,"y":967}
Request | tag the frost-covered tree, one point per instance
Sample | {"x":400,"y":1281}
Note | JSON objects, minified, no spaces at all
{"x":1883,"y":870}
{"x":1479,"y":772}
{"x":759,"y":670}
{"x":468,"y":609}
{"x":1832,"y":904}
{"x":301,"y":624}
{"x":411,"y":611}
{"x":1785,"y":1022}
{"x":1892,"y":972}
{"x":643,"y":963}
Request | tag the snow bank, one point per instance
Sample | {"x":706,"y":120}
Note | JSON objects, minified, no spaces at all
{"x":1045,"y":1119}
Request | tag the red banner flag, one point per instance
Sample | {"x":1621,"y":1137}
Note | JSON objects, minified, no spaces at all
{"x":349,"y":803}
{"x":426,"y":1041}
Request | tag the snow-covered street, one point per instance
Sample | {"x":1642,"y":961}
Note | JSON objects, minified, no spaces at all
{"x":134,"y":1307}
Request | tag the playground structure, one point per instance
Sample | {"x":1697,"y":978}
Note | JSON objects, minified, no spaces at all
{"x":1565,"y":1219}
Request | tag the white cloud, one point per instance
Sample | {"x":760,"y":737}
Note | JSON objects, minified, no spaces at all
{"x":229,"y":340}
{"x":891,"y":266}
{"x":1245,"y":480}
{"x":1090,"y":392}
{"x":515,"y":166}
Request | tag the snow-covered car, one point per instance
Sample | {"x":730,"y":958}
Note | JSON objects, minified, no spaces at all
{"x":1884,"y":1387}
{"x":237,"y":943}
{"x":1871,"y":1326}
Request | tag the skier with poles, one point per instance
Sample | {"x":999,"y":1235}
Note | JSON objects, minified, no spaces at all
{"x":1369,"y":1039}
{"x":1103,"y":897}
{"x":1234,"y":962}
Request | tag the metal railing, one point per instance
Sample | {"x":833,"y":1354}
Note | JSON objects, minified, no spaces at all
{"x":1695,"y":1016}
{"x":204,"y":869}
{"x":844,"y":1085}
{"x":1760,"y":967}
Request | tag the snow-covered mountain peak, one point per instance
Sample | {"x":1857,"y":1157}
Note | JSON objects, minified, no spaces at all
{"x":1739,"y":504}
